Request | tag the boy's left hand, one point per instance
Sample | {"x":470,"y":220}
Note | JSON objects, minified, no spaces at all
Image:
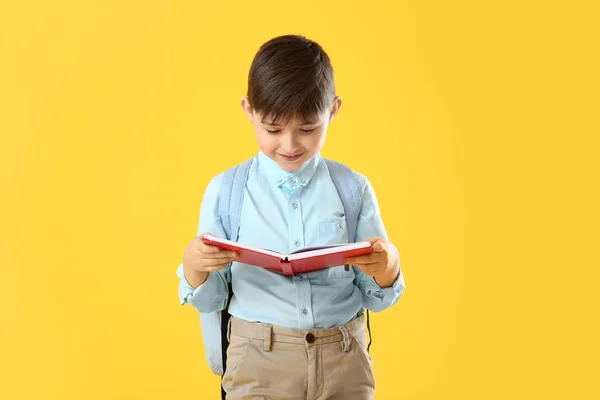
{"x":383,"y":264}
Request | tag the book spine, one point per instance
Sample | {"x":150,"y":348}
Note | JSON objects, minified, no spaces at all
{"x":287,"y":268}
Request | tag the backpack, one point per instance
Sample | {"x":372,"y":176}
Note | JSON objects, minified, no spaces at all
{"x":214,"y":324}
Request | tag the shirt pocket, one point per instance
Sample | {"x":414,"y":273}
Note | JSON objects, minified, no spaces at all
{"x":332,"y":231}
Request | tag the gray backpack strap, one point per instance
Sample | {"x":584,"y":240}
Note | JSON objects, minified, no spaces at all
{"x":231,"y":198}
{"x":214,"y":325}
{"x":349,"y":191}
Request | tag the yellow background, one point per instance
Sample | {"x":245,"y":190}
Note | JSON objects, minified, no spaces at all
{"x":476,"y":122}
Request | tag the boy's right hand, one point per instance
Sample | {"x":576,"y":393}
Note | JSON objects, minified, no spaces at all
{"x":199,"y":259}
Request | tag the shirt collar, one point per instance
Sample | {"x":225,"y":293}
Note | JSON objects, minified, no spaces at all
{"x":292,"y":180}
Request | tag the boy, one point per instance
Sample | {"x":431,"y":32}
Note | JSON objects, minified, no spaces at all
{"x":298,"y":337}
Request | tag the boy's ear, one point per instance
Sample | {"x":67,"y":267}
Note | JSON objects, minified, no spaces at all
{"x":337,"y":104}
{"x":245,"y":103}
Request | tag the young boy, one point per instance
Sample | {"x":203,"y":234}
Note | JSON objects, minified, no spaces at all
{"x":300,"y":337}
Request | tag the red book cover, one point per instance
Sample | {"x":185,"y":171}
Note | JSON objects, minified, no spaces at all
{"x":303,"y":260}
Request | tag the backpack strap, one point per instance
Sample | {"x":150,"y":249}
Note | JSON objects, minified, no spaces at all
{"x":349,"y":191}
{"x":231,"y":197}
{"x":347,"y":187}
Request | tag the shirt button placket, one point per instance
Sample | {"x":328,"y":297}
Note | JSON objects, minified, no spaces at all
{"x":296,"y":227}
{"x":304,"y":302}
{"x":296,"y":241}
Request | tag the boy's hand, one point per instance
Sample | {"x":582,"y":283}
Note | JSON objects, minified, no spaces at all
{"x":198,"y":256}
{"x":199,"y":259}
{"x":383,"y":264}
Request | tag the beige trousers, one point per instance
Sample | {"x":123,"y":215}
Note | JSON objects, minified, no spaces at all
{"x":270,"y":362}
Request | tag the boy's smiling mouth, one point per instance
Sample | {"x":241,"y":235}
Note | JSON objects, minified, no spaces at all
{"x":292,"y":158}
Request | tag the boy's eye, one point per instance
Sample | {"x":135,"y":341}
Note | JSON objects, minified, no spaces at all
{"x":279,"y":130}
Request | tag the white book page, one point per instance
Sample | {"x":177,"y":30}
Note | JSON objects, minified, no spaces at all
{"x":319,"y":251}
{"x":243,"y":246}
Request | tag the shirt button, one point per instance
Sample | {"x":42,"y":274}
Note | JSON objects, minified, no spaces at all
{"x":310,"y":338}
{"x":339,"y":225}
{"x":304,"y":311}
{"x":297,"y":243}
{"x":295,"y":205}
{"x":298,"y":277}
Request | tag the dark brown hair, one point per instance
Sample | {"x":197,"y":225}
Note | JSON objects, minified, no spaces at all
{"x":291,"y":76}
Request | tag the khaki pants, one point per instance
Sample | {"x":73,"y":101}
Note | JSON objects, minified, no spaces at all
{"x":271,"y":362}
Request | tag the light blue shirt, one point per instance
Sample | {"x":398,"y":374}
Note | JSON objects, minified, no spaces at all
{"x":285,"y":211}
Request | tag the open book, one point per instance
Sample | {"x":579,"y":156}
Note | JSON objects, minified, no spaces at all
{"x":302,"y":260}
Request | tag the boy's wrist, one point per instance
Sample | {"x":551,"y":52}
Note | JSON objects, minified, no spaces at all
{"x":194,"y":278}
{"x":388,"y":278}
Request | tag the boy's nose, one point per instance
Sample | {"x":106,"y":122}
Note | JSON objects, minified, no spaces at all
{"x":288,"y":145}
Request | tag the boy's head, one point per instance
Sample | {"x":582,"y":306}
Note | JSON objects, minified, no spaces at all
{"x":291,"y":99}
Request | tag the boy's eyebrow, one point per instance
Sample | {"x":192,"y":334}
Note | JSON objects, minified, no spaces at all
{"x":273,"y":123}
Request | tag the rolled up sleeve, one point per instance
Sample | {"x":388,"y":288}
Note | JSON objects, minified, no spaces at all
{"x":375,"y":297}
{"x":213,"y":294}
{"x":370,"y":224}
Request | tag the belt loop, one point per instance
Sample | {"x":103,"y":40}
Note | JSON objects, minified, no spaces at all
{"x":346,"y":338}
{"x":229,"y":329}
{"x":267,"y":337}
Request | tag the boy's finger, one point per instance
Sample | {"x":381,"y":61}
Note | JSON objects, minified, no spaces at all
{"x":372,"y":240}
{"x":221,"y":255}
{"x":207,"y":248}
{"x":367,"y":259}
{"x":357,"y":263}
{"x":212,"y":262}
{"x":213,"y":268}
{"x":379,"y":246}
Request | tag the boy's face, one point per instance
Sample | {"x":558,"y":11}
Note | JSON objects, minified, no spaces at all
{"x":291,"y":145}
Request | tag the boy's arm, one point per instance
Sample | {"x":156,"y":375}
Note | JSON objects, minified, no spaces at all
{"x":370,"y":224}
{"x":212,"y":295}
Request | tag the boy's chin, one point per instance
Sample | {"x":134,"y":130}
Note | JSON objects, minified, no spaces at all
{"x":288,"y":166}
